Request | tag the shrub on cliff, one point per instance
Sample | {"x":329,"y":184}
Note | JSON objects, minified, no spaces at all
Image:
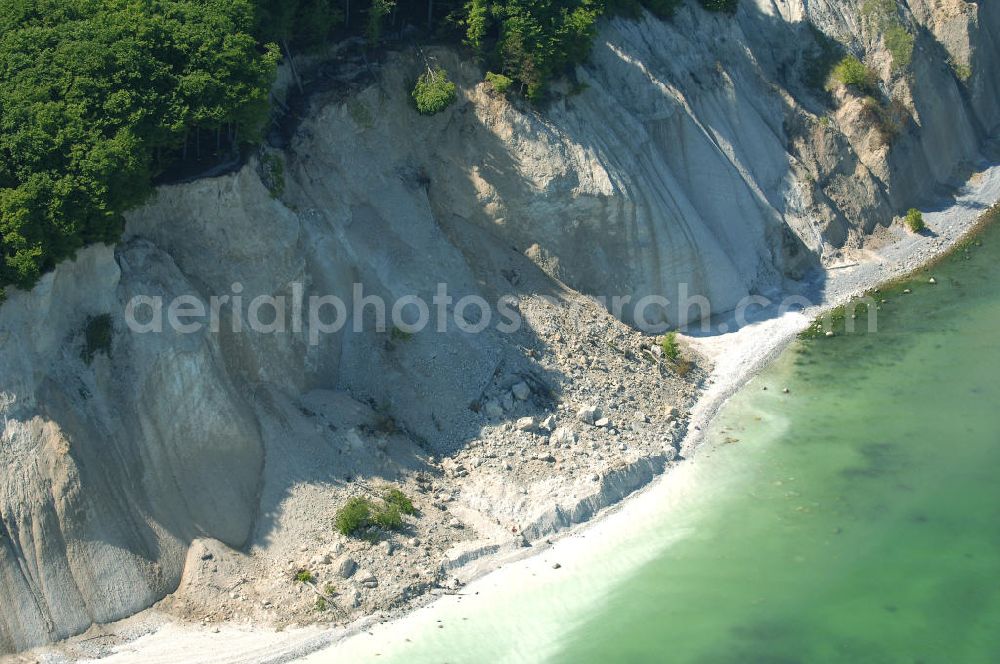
{"x":353,"y":516}
{"x":853,"y":73}
{"x":887,"y":118}
{"x":498,"y":82}
{"x":388,"y":517}
{"x":914,"y":220}
{"x":899,"y":42}
{"x":400,"y":500}
{"x":433,"y":92}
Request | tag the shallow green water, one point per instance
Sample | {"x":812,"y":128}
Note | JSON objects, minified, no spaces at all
{"x":856,"y":519}
{"x":864,"y":523}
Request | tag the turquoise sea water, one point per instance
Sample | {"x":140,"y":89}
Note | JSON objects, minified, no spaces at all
{"x":855,"y":519}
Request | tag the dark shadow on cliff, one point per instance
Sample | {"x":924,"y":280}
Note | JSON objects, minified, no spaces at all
{"x":585,"y":249}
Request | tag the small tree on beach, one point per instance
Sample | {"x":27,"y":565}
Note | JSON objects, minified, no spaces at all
{"x":914,"y":220}
{"x":671,"y":349}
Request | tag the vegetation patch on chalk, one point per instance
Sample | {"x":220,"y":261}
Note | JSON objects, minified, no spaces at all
{"x":360,"y":515}
{"x":500,"y":83}
{"x":671,"y":349}
{"x":400,"y":501}
{"x":914,"y":220}
{"x":433,"y":91}
{"x":853,"y":73}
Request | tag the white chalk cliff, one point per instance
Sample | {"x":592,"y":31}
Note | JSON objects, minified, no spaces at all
{"x":691,"y":152}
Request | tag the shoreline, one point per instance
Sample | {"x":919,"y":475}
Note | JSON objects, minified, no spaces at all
{"x":736,"y":367}
{"x":738,"y":357}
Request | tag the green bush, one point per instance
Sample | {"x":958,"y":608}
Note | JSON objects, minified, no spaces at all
{"x":399,"y":499}
{"x":433,"y":92}
{"x":914,"y":220}
{"x":499,"y":82}
{"x":900,"y":43}
{"x":853,"y":73}
{"x":304,"y":576}
{"x":358,"y":513}
{"x":962,"y":71}
{"x":671,"y":349}
{"x":388,"y":517}
{"x":353,"y":516}
{"x":534,"y":41}
{"x":882,"y":16}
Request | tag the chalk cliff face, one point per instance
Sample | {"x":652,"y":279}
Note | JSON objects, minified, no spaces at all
{"x":691,"y":152}
{"x":109,"y":469}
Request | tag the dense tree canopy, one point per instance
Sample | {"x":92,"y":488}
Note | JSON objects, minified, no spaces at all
{"x":305,"y":23}
{"x":91,"y":92}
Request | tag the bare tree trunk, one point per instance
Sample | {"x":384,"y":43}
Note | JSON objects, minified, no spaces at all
{"x":291,"y":63}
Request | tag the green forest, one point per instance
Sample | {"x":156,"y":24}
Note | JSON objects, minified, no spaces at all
{"x":98,"y":98}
